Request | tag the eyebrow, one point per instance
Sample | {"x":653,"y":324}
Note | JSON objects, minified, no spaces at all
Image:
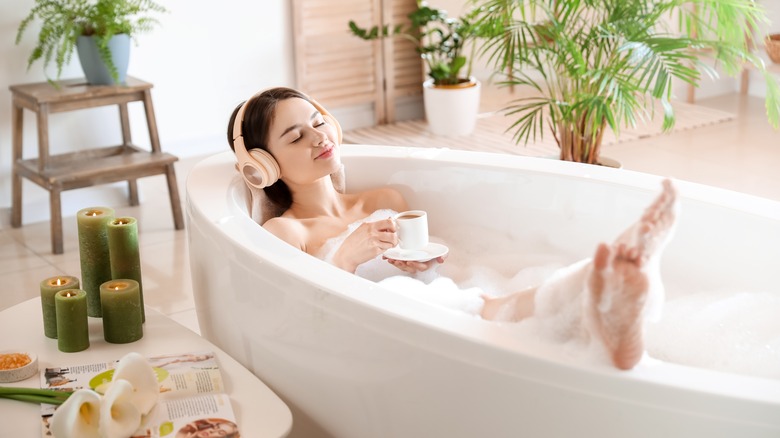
{"x":297,"y":125}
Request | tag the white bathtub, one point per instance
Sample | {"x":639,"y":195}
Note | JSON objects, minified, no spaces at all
{"x":361,"y":361}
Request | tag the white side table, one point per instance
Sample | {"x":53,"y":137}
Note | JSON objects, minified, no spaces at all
{"x":259,"y":412}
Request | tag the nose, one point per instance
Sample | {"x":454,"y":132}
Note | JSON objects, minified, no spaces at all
{"x":320,"y":137}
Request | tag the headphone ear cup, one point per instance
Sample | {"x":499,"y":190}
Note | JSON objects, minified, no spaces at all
{"x":262,"y":170}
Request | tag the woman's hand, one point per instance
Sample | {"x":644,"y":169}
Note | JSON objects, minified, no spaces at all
{"x":414,"y":267}
{"x":365,"y":243}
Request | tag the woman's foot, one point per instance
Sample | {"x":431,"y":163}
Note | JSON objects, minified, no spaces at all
{"x":618,"y":290}
{"x":619,"y":284}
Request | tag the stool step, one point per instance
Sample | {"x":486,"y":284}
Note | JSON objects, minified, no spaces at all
{"x":95,"y":166}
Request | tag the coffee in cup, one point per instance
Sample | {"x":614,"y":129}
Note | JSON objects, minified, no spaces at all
{"x":412,"y":229}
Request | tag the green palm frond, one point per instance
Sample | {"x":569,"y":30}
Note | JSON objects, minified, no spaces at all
{"x":604,"y":62}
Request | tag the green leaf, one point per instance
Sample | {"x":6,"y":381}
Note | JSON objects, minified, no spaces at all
{"x":607,"y":61}
{"x":63,"y":21}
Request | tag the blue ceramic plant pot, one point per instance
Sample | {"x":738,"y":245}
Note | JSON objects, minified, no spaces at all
{"x":95,"y":69}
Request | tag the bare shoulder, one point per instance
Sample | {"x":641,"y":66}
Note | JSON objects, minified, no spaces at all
{"x":290,"y":230}
{"x":385,"y":198}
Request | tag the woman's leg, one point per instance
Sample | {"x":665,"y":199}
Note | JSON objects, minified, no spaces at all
{"x":511,"y":307}
{"x":617,"y":284}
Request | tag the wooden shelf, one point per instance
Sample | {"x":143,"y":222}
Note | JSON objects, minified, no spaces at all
{"x":94,"y":166}
{"x":89,"y":167}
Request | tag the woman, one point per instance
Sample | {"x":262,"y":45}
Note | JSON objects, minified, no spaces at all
{"x":606,"y":295}
{"x":305,"y":144}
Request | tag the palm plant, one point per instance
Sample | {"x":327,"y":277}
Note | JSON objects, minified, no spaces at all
{"x":602,"y":63}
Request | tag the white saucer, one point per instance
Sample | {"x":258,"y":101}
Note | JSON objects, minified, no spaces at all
{"x":430,"y":252}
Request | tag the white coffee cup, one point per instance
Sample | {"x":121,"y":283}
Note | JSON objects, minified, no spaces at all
{"x":412,"y":229}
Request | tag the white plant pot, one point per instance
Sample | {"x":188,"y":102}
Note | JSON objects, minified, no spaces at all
{"x":451,"y":109}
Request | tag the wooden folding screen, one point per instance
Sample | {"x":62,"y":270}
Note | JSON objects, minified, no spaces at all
{"x":341,"y":70}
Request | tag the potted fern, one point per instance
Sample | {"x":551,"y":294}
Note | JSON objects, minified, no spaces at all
{"x":100,"y":30}
{"x":599,"y":64}
{"x":451,"y":98}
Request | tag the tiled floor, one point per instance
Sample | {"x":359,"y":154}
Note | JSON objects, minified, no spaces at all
{"x":741,"y":155}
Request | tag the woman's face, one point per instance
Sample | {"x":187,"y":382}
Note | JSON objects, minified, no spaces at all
{"x":303,"y":143}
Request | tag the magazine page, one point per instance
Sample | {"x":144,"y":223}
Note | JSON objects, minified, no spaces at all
{"x":179,"y":375}
{"x":191,"y":401}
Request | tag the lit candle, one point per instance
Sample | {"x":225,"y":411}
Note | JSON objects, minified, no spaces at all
{"x":72,"y":327}
{"x":49,"y":287}
{"x":125,"y":256}
{"x":93,"y":252}
{"x":121,"y":301}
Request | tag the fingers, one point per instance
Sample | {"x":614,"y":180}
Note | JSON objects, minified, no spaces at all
{"x":386,"y":225}
{"x":411,"y":266}
{"x":386,"y":240}
{"x":380,"y":234}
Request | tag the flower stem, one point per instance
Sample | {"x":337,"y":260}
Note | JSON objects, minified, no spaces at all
{"x":34,"y":395}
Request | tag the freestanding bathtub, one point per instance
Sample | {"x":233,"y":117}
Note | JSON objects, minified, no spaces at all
{"x":361,"y":361}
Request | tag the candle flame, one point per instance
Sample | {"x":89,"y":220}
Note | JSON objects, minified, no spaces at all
{"x":118,"y":286}
{"x":94,"y":213}
{"x":121,"y":221}
{"x":58,"y":281}
{"x":68,"y":294}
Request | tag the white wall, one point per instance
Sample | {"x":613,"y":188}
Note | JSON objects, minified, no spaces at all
{"x":203,"y":59}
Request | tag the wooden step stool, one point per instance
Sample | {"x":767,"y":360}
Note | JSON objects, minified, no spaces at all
{"x":84,"y":168}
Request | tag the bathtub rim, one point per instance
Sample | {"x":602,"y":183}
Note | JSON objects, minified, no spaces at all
{"x":227,"y":220}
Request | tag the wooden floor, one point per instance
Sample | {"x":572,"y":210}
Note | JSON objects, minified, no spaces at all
{"x":494,"y":133}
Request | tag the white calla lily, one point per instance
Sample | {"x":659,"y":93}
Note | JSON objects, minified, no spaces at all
{"x":139,"y":373}
{"x":78,"y":417}
{"x":119,"y":417}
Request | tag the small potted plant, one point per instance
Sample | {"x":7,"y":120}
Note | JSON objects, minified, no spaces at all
{"x":100,"y":30}
{"x":451,"y":97}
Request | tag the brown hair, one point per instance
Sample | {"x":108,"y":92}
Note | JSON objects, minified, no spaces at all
{"x":258,"y":116}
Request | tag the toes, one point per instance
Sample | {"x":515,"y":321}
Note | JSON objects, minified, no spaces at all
{"x":601,"y":259}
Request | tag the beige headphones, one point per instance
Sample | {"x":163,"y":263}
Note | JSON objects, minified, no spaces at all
{"x":257,"y":166}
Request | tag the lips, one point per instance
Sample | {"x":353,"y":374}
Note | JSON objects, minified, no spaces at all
{"x":326,"y":153}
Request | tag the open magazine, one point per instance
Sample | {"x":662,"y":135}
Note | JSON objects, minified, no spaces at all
{"x":191,"y":404}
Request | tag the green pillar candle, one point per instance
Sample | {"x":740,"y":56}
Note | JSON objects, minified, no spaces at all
{"x":93,"y":252}
{"x":121,"y":301}
{"x":72,"y":326}
{"x":49,"y":287}
{"x":125,"y":256}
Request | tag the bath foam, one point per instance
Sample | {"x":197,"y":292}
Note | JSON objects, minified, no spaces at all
{"x":701,"y":330}
{"x":732,"y":332}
